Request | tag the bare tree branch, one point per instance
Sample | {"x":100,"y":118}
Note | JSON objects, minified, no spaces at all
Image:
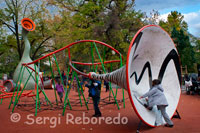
{"x":7,"y":3}
{"x":33,"y":41}
{"x":9,"y":26}
{"x":70,"y":7}
{"x":37,"y":49}
{"x":6,"y":24}
{"x":11,"y":46}
{"x":26,"y":7}
{"x":1,"y":53}
{"x":42,"y":54}
{"x":14,"y":4}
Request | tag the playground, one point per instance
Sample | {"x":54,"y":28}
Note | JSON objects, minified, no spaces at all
{"x":92,"y":86}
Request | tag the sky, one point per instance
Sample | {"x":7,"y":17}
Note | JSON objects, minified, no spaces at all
{"x":189,"y":8}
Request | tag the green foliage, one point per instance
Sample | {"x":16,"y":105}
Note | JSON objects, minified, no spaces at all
{"x":110,"y":21}
{"x":10,"y":17}
{"x":8,"y":55}
{"x":184,"y":48}
{"x":197,"y":51}
{"x":114,"y":22}
{"x":174,"y":20}
{"x":178,"y":29}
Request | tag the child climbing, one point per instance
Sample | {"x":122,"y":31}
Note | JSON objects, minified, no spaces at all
{"x":156,"y":97}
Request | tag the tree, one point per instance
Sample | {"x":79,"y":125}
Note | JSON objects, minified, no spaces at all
{"x":8,"y":58}
{"x":185,"y":49}
{"x":153,"y":18}
{"x":112,"y":21}
{"x":178,"y":29}
{"x":11,"y":15}
{"x":11,"y":41}
{"x":174,"y":20}
{"x":197,"y":51}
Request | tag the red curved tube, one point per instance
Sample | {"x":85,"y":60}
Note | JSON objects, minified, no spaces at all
{"x":76,"y":70}
{"x":8,"y":95}
{"x":98,"y":63}
{"x":68,"y":46}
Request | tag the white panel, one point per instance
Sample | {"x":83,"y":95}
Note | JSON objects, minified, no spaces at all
{"x":154,"y":46}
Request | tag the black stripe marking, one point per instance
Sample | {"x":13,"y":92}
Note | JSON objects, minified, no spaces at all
{"x":171,"y":56}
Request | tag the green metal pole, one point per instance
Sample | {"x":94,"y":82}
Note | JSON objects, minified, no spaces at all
{"x":105,"y":72}
{"x":38,"y":83}
{"x":68,"y":69}
{"x":78,"y":88}
{"x":15,"y":87}
{"x":122,"y":88}
{"x":99,"y":58}
{"x":41,"y":81}
{"x":65,"y":103}
{"x":88,"y":99}
{"x":59,"y":72}
{"x":110,"y":86}
{"x":37,"y":94}
{"x":17,"y":98}
{"x":24,"y":86}
{"x":61,"y":78}
{"x":52,"y":75}
{"x":71,"y":82}
{"x":104,"y":53}
{"x":117,"y":86}
{"x":116,"y":91}
{"x":39,"y":87}
{"x":1,"y":98}
{"x":92,"y":54}
{"x":19,"y":86}
{"x":81,"y":91}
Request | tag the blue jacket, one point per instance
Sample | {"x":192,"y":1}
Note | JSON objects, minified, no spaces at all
{"x":94,"y":88}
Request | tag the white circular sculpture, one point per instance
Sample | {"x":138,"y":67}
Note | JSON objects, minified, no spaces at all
{"x":152,"y":55}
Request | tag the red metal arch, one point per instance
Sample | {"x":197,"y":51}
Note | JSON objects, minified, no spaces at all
{"x":68,"y":46}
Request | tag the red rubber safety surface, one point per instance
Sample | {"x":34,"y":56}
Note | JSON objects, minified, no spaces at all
{"x":188,"y":109}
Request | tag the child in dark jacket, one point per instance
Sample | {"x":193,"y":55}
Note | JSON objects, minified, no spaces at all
{"x":94,"y":92}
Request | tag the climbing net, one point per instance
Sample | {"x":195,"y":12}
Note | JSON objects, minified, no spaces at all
{"x":74,"y":69}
